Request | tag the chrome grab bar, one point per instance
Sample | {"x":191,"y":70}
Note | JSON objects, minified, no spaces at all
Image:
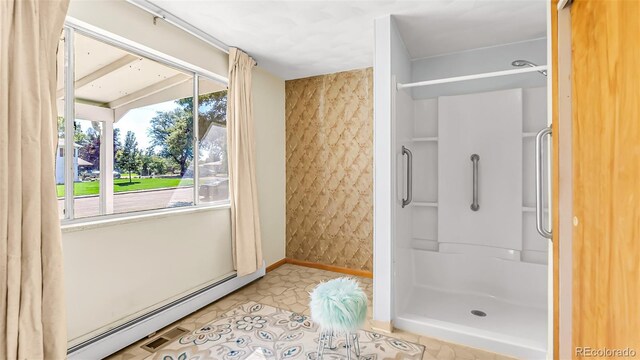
{"x":539,"y":183}
{"x":475,"y":206}
{"x":407,"y":152}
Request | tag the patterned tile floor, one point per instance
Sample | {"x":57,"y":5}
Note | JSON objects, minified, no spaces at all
{"x":288,"y":287}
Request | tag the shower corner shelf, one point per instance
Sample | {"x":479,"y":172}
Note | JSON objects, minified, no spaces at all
{"x":424,"y":139}
{"x":424,"y":204}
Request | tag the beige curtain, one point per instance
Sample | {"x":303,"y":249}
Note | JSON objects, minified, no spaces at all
{"x":245,"y":220}
{"x":32,"y":307}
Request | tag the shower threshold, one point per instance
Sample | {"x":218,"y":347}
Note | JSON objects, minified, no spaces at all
{"x":506,"y":328}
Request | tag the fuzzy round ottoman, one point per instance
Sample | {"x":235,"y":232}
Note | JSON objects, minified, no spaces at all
{"x":339,"y":307}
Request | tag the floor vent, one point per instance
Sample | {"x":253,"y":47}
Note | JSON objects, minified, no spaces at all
{"x":164,"y":339}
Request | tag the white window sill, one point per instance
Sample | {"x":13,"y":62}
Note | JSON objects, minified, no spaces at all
{"x":127,"y":218}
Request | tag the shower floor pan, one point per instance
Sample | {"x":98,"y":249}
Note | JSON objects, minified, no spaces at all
{"x":507,"y":328}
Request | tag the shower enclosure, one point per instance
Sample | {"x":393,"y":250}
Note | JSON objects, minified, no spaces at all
{"x":461,"y":220}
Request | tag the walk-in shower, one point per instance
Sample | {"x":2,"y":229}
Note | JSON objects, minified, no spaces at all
{"x":466,"y":262}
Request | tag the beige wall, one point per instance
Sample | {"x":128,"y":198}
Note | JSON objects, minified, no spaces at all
{"x":268,"y":109}
{"x":113,"y":272}
{"x":329,"y":127}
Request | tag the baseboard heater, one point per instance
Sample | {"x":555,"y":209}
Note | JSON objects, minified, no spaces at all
{"x":126,"y":334}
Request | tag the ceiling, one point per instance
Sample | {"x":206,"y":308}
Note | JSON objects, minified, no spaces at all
{"x":111,"y":78}
{"x":295,"y":39}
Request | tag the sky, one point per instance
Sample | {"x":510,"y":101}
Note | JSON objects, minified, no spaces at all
{"x":138,"y":121}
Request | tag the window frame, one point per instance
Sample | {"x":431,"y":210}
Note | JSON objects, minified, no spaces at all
{"x":73,"y":26}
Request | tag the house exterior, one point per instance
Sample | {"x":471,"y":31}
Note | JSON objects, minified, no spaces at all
{"x":60,"y":162}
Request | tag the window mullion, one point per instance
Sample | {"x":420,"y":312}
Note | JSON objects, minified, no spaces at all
{"x":107,"y":144}
{"x":69,"y":118}
{"x":196,"y":142}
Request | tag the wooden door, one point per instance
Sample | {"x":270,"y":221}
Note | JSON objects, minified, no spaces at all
{"x":606,"y":174}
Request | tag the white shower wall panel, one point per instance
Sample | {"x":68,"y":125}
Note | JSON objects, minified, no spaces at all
{"x":534,"y":112}
{"x":425,"y":223}
{"x":534,"y":119}
{"x":490,"y":125}
{"x":404,"y":108}
{"x":534,"y":109}
{"x":534,"y":246}
{"x":510,"y":281}
{"x":425,"y":118}
{"x":425,"y":171}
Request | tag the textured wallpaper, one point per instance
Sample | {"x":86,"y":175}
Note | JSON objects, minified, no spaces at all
{"x":329,"y":150}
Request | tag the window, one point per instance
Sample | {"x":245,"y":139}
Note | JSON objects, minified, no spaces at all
{"x":60,"y":163}
{"x":134,"y":142}
{"x":87,"y":146}
{"x":212,"y":137}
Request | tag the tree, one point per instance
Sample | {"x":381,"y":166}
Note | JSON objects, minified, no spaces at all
{"x":79,"y":137}
{"x":145,"y":162}
{"x":172,"y":131}
{"x":158,"y":165}
{"x":90,"y":145}
{"x":117,"y":144}
{"x":129,"y":156}
{"x":212,"y":123}
{"x":151,"y":163}
{"x":90,"y":141}
{"x":60,"y":127}
{"x":212,"y":109}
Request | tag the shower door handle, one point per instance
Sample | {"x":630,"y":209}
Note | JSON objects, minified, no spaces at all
{"x":475,"y":206}
{"x":540,"y":183}
{"x":407,"y":152}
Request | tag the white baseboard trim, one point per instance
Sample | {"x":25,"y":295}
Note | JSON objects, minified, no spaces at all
{"x":126,"y":334}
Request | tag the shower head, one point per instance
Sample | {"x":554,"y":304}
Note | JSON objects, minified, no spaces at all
{"x":521,"y":63}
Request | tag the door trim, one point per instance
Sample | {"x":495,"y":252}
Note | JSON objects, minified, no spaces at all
{"x":562,"y":181}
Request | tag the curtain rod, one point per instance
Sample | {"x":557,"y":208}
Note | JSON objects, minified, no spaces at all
{"x":471,"y":77}
{"x":139,"y":49}
{"x":178,"y":22}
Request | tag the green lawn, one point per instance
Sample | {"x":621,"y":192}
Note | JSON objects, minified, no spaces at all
{"x":122,"y":185}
